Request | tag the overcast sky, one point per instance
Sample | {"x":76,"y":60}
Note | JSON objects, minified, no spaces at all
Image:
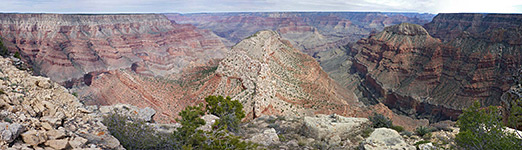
{"x":191,"y":6}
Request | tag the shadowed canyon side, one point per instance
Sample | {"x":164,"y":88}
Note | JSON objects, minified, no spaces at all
{"x":264,"y":72}
{"x":310,"y":32}
{"x":418,"y":75}
{"x":68,"y":47}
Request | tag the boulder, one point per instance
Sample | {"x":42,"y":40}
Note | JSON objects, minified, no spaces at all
{"x":9,"y":131}
{"x":57,"y":144}
{"x":144,"y":114}
{"x":334,"y":128}
{"x":384,"y":138}
{"x":269,"y":136}
{"x":77,"y":142}
{"x":427,"y":146}
{"x":55,"y":134}
{"x":34,"y":137}
{"x":209,"y":121}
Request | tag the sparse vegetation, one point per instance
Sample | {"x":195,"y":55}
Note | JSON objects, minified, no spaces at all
{"x":380,"y":121}
{"x":423,"y":132}
{"x":482,"y":129}
{"x":137,"y":134}
{"x":398,"y":128}
{"x":229,"y":111}
{"x":367,"y":132}
{"x":3,"y":50}
{"x":421,"y":142}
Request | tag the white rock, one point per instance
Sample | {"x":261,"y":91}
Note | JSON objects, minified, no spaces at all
{"x":269,"y":136}
{"x":384,"y":138}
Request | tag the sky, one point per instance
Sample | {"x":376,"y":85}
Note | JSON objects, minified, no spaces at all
{"x":196,"y":6}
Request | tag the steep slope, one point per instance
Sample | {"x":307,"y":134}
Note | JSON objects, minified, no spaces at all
{"x":264,"y":72}
{"x":486,"y":49}
{"x":403,"y":66}
{"x":39,"y":113}
{"x":310,"y":32}
{"x":418,"y":75}
{"x":278,"y":79}
{"x":67,"y":47}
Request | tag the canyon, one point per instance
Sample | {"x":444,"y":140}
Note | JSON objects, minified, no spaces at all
{"x":69,"y":47}
{"x":310,"y":32}
{"x":404,"y":65}
{"x":471,"y":57}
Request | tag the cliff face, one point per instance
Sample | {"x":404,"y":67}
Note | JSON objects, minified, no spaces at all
{"x":66,"y":47}
{"x":264,"y":72}
{"x":277,"y":79}
{"x":415,"y":74}
{"x":491,"y":27}
{"x":309,"y":32}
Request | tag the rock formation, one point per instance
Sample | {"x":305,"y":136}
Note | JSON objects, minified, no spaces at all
{"x":39,"y":113}
{"x":310,"y":32}
{"x":384,"y":138}
{"x":67,"y":47}
{"x":418,"y":75}
{"x":272,"y":77}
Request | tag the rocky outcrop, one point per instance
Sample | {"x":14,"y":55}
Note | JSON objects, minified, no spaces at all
{"x":334,"y":128}
{"x":415,"y":74}
{"x":267,"y":137}
{"x":66,"y":47}
{"x":384,"y":138}
{"x":310,"y":32}
{"x":39,"y":113}
{"x":273,"y":78}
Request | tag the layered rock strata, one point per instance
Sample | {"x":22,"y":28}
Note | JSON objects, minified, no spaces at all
{"x":415,"y":74}
{"x":309,"y":32}
{"x":66,"y":47}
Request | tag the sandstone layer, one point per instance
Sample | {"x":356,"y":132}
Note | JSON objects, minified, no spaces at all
{"x":415,"y":74}
{"x":310,"y":32}
{"x":264,"y":72}
{"x":67,"y":47}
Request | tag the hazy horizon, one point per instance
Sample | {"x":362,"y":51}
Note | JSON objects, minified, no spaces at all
{"x":230,"y":6}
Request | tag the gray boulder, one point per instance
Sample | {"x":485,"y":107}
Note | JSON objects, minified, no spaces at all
{"x":334,"y":128}
{"x":385,"y":139}
{"x":269,"y":136}
{"x":9,"y":131}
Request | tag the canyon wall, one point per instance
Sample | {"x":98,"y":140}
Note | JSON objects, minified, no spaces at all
{"x":310,"y":32}
{"x":421,"y":76}
{"x":67,"y":47}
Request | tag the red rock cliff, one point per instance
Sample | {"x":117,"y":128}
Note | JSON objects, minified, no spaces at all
{"x":65,"y":47}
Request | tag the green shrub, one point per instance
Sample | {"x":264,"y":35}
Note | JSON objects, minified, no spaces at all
{"x":421,"y":142}
{"x":380,"y":121}
{"x":367,"y":132}
{"x":423,"y":132}
{"x":407,"y":133}
{"x":3,"y":50}
{"x":17,"y":55}
{"x":229,"y":111}
{"x":482,"y":129}
{"x":398,"y":128}
{"x":136,"y":134}
{"x":219,"y":137}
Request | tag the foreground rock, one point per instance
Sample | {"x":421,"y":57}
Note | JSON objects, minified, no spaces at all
{"x":45,"y":116}
{"x":314,"y":132}
{"x":384,"y":138}
{"x":334,"y":128}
